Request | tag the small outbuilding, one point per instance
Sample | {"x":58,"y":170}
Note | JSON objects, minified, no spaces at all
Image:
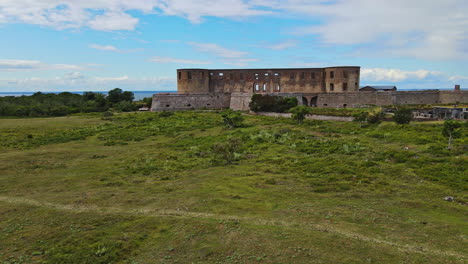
{"x":460,"y":113}
{"x":377,"y":89}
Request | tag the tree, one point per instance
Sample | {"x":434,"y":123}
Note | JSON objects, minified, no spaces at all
{"x":148,"y":101}
{"x":116,"y":95}
{"x":271,"y":103}
{"x":299,"y":113}
{"x":403,"y":116}
{"x":113,"y":96}
{"x":451,"y":130}
{"x":232,"y":119}
{"x":127,"y":96}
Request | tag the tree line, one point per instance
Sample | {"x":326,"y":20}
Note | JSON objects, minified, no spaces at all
{"x":49,"y":104}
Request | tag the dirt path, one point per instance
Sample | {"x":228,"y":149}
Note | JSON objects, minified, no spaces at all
{"x":250,"y":220}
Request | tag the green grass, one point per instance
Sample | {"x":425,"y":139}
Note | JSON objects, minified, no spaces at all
{"x":141,"y":188}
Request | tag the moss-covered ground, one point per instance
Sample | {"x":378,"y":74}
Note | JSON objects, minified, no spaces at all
{"x":142,"y":188}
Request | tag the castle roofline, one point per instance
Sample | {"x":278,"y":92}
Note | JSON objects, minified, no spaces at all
{"x":266,"y":69}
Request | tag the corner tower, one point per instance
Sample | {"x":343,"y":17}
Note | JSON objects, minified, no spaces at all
{"x":193,"y":81}
{"x":342,"y":79}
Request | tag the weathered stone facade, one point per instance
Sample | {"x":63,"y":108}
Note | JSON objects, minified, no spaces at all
{"x":321,"y":87}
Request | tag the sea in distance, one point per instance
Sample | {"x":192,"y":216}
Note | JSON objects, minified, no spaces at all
{"x":139,"y":95}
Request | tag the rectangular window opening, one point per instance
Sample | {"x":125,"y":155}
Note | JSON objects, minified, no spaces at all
{"x":189,"y":75}
{"x":312,"y":75}
{"x":332,"y":74}
{"x":180,"y":75}
{"x":332,"y":87}
{"x":345,"y":86}
{"x":302,"y":75}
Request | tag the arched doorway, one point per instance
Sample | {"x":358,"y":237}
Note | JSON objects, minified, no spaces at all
{"x":304,"y":101}
{"x":313,"y":101}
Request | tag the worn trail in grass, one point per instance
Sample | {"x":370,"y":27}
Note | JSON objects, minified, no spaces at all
{"x":141,"y":188}
{"x":255,"y":221}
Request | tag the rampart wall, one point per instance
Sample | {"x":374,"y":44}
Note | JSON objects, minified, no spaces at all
{"x":240,"y":101}
{"x":171,"y":102}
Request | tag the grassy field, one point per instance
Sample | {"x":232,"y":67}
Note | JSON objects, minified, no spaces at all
{"x":142,"y":188}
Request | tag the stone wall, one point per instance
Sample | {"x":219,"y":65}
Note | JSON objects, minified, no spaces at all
{"x":171,"y":102}
{"x":458,"y":96}
{"x":391,"y":98}
{"x":240,"y":101}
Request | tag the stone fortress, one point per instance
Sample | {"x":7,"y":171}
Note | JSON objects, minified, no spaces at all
{"x":317,"y":87}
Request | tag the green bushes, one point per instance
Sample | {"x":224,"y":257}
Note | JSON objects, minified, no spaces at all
{"x":369,"y":118}
{"x":50,"y":104}
{"x":271,"y":103}
{"x":451,"y":130}
{"x":403,"y":116}
{"x":299,"y":113}
{"x":232,"y":119}
{"x":228,"y":151}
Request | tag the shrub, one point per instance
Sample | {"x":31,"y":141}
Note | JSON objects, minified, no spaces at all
{"x":299,"y":113}
{"x":227,"y":151}
{"x":271,"y":103}
{"x":232,"y":119}
{"x":166,"y":114}
{"x":403,"y":116}
{"x":451,"y":130}
{"x":375,"y":118}
{"x":125,"y":106}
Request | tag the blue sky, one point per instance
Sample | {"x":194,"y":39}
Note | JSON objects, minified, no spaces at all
{"x":79,"y":45}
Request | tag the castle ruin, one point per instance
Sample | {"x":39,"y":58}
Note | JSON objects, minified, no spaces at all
{"x":317,"y":87}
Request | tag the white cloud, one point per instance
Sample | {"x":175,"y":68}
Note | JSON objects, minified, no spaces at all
{"x":108,"y":79}
{"x":458,"y":78}
{"x":395,"y":75}
{"x":194,"y":10}
{"x":227,"y":56}
{"x":113,"y":21}
{"x":240,"y":62}
{"x":217,"y":50}
{"x":434,"y":30}
{"x":104,"y":47}
{"x":75,"y":81}
{"x":179,"y":61}
{"x":112,"y":48}
{"x":110,"y":15}
{"x":104,"y":15}
{"x":30,"y":65}
{"x":282,"y":45}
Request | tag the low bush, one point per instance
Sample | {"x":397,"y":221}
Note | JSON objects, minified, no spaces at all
{"x":299,"y":113}
{"x":232,"y":119}
{"x":228,"y":151}
{"x":403,"y":116}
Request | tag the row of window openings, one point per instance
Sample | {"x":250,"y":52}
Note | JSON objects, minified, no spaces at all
{"x":345,"y":86}
{"x":265,"y":87}
{"x":257,"y":76}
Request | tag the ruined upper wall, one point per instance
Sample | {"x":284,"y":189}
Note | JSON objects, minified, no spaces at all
{"x":193,"y":81}
{"x":301,"y":80}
